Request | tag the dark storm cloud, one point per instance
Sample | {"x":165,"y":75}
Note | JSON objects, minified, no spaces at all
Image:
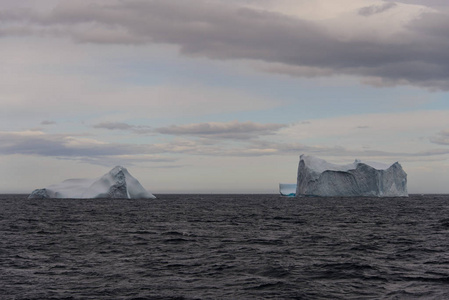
{"x":227,"y":31}
{"x":230,"y":130}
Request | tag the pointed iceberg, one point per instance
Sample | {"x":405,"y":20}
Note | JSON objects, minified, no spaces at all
{"x":287,"y":189}
{"x":116,"y":184}
{"x":317,"y":177}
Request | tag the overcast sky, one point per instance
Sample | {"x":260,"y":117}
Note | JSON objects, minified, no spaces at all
{"x":201,"y":96}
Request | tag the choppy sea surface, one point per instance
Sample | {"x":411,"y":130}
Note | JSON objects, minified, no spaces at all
{"x":225,"y":247}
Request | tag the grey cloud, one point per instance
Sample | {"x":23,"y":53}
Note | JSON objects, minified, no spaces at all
{"x":67,"y":147}
{"x":107,"y":154}
{"x":227,"y":31}
{"x":429,"y":3}
{"x":46,"y":122}
{"x":108,"y":161}
{"x":124,"y":126}
{"x":431,"y":152}
{"x":60,"y":146}
{"x":168,"y":167}
{"x":230,"y":130}
{"x":63,"y":147}
{"x":296,"y":71}
{"x":113,"y":126}
{"x":298,"y":148}
{"x":442,"y":138}
{"x":376,"y":9}
{"x":433,"y":25}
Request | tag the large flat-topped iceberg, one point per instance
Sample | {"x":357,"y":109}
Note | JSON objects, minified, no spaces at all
{"x":116,"y":184}
{"x":317,"y":177}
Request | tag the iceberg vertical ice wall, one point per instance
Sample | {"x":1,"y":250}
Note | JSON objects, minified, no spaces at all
{"x":317,"y":177}
{"x":116,"y":184}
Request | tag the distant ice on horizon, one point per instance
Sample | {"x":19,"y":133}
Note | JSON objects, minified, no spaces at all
{"x":287,"y":189}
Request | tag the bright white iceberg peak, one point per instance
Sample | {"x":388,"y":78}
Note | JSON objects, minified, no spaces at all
{"x":116,"y":184}
{"x":317,"y":177}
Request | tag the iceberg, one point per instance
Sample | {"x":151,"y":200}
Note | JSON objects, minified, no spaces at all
{"x":287,"y":189}
{"x":317,"y":177}
{"x":116,"y":184}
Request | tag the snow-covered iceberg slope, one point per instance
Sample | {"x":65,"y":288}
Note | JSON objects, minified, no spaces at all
{"x":116,"y":184}
{"x":287,"y":189}
{"x":317,"y":177}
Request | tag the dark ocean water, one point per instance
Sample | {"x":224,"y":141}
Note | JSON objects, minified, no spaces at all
{"x":225,"y":247}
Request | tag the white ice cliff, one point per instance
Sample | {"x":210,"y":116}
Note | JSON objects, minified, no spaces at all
{"x":116,"y":184}
{"x":317,"y":177}
{"x":287,"y":189}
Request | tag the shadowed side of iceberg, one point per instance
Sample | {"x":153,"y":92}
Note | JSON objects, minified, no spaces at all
{"x":316,"y":177}
{"x":116,"y":184}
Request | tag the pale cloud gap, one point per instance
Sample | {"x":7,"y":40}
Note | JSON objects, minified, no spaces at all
{"x":377,"y":128}
{"x":413,"y":53}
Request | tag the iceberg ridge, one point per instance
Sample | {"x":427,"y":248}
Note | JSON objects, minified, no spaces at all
{"x":116,"y":184}
{"x":317,"y":177}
